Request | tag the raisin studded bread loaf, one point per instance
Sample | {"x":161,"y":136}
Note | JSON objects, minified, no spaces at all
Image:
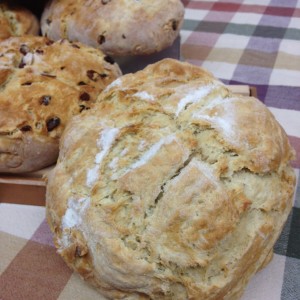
{"x":16,"y":21}
{"x":118,"y":27}
{"x":42,"y":85}
{"x":173,"y":188}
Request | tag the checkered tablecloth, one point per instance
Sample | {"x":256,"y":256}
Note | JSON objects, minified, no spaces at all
{"x":241,"y":42}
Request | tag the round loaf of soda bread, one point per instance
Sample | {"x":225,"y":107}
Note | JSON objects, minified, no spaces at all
{"x":173,"y":188}
{"x":117,"y":27}
{"x":17,"y":21}
{"x":42,"y":85}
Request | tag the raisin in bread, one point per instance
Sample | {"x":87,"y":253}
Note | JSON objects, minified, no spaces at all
{"x":118,"y":27}
{"x":42,"y":85}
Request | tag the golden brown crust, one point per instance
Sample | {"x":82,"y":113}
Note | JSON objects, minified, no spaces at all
{"x":42,"y":85}
{"x":117,"y":27}
{"x":176,"y":198}
{"x":17,"y":21}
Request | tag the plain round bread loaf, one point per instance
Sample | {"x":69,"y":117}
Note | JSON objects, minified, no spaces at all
{"x":117,"y":27}
{"x":17,"y":21}
{"x":42,"y":85}
{"x":172,"y":188}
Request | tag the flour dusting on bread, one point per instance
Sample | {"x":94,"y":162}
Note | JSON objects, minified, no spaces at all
{"x":74,"y":212}
{"x":189,"y":191}
{"x":106,"y":140}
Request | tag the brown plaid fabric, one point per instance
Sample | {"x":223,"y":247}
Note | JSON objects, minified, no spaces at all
{"x":253,"y":42}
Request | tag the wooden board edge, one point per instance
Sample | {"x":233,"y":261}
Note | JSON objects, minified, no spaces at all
{"x":253,"y":91}
{"x":22,"y":194}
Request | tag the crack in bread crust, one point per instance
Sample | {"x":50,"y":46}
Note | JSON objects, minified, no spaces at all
{"x":189,"y":198}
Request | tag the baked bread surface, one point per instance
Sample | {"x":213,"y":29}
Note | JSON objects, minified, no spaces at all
{"x":118,"y":27}
{"x":42,"y":85}
{"x":17,"y":21}
{"x":173,"y":188}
